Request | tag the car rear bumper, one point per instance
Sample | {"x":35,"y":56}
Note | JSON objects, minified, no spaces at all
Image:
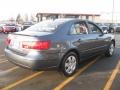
{"x":32,"y":63}
{"x":118,"y":30}
{"x":8,"y":30}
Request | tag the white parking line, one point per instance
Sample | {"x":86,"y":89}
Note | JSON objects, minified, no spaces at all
{"x":12,"y":85}
{"x":70,"y":79}
{"x":2,"y":55}
{"x":112,"y":77}
{"x":3,"y":61}
{"x":3,"y":73}
{"x":11,"y":69}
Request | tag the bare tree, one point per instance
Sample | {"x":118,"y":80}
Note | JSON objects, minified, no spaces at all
{"x":32,"y":18}
{"x":26,"y":17}
{"x":11,"y":19}
{"x":19,"y":19}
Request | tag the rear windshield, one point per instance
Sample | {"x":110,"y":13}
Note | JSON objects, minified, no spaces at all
{"x":9,"y":24}
{"x":45,"y":26}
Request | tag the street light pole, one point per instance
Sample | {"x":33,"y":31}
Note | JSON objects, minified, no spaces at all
{"x":113,"y":8}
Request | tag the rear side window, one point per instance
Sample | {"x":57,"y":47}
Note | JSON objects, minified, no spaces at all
{"x":9,"y":24}
{"x":78,"y":29}
{"x":45,"y":26}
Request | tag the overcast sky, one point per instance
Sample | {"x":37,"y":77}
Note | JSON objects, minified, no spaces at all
{"x":10,"y":8}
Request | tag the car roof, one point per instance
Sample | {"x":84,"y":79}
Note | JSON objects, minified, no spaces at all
{"x":70,"y":19}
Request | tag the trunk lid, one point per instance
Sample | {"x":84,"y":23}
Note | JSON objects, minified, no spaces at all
{"x":18,"y":38}
{"x":31,"y":33}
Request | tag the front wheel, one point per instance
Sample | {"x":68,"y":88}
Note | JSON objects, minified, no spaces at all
{"x":110,"y":50}
{"x":69,"y":64}
{"x":6,"y":32}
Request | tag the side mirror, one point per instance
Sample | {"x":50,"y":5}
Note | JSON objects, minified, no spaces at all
{"x":105,"y":32}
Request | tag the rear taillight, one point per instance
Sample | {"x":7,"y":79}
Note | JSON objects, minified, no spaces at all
{"x":8,"y":41}
{"x":37,"y":45}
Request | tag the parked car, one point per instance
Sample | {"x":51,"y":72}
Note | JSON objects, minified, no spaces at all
{"x":10,"y":27}
{"x":112,"y":27}
{"x":27,"y":24}
{"x":61,"y":44}
{"x":1,"y":29}
{"x":105,"y":29}
{"x":100,"y":24}
{"x":19,"y":27}
{"x":117,"y":29}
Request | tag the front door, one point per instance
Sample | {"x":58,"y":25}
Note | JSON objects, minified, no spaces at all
{"x":84,"y":42}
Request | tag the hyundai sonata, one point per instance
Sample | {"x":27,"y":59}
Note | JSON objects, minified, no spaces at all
{"x":60,"y":43}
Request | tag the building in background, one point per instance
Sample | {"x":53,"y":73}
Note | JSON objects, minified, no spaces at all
{"x":45,"y":16}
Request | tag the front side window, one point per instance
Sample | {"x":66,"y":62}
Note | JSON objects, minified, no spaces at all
{"x":79,"y":28}
{"x":94,"y":29}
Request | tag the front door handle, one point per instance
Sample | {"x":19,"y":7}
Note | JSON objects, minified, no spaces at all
{"x":79,"y":40}
{"x":99,"y":38}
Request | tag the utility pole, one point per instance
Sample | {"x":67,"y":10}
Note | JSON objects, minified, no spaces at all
{"x":113,"y":9}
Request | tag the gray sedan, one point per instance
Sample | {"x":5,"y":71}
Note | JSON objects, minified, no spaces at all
{"x":61,"y":44}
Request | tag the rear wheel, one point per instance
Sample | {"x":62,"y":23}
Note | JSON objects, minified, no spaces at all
{"x":69,"y":64}
{"x":110,"y":50}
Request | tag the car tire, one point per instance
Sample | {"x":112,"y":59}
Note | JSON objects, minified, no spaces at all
{"x":6,"y":32}
{"x":110,"y":50}
{"x":69,"y":64}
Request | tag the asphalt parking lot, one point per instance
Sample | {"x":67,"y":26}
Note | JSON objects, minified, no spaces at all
{"x":98,"y":73}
